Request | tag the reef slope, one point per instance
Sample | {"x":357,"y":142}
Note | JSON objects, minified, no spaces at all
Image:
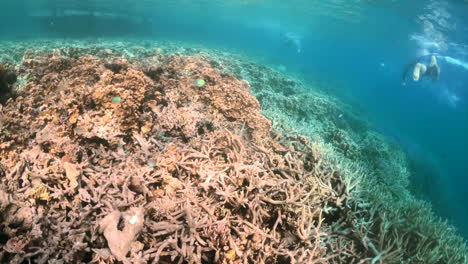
{"x":109,"y":157}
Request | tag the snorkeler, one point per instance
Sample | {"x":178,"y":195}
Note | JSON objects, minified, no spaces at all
{"x":419,"y":69}
{"x":292,"y":39}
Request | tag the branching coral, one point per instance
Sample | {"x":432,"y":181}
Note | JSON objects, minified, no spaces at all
{"x":170,"y":172}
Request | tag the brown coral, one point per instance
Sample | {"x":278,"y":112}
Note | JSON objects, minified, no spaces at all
{"x":90,"y":138}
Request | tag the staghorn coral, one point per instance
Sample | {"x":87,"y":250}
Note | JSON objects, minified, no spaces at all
{"x":214,"y":182}
{"x":221,"y":188}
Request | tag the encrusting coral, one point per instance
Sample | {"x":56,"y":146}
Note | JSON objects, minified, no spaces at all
{"x":105,"y":159}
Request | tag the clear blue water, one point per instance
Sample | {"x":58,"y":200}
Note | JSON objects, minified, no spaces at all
{"x":358,"y":49}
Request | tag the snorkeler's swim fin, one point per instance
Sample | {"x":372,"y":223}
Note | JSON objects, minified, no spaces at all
{"x":418,"y":70}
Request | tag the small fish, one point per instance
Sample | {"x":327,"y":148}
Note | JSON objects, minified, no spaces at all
{"x":116,"y":99}
{"x":199,"y":82}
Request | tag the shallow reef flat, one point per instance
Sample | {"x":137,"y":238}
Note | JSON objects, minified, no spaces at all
{"x":120,"y":151}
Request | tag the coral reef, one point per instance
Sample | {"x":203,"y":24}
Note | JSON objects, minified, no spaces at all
{"x":171,"y":172}
{"x":115,"y":154}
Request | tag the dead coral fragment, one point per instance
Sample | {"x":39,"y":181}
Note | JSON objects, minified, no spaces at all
{"x":4,"y":200}
{"x":120,"y":230}
{"x":40,"y":192}
{"x":15,"y":245}
{"x":72,"y":174}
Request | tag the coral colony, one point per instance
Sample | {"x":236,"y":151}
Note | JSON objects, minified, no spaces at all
{"x":105,"y":159}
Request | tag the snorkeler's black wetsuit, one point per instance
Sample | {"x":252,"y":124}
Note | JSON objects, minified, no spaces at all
{"x":433,"y":71}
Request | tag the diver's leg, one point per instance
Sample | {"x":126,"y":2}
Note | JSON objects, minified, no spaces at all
{"x":433,"y":61}
{"x":419,"y":70}
{"x":434,"y":68}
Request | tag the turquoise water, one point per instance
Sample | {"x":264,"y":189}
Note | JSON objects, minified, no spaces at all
{"x":356,"y":50}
